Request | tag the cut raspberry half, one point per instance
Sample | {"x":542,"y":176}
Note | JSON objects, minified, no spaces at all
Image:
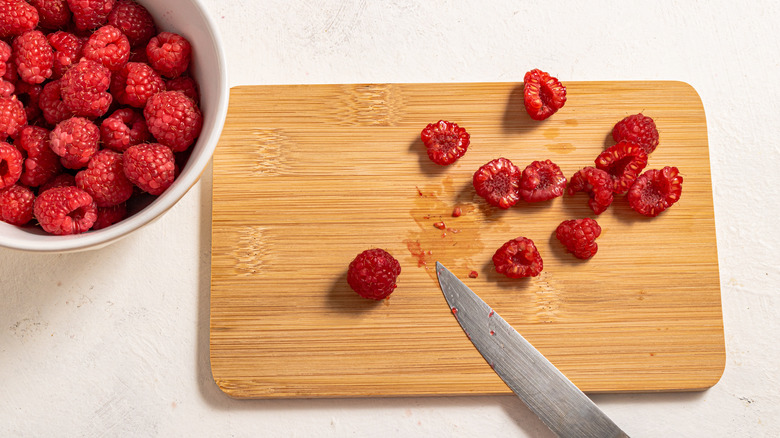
{"x":518,"y":258}
{"x":373,"y":274}
{"x":543,"y":94}
{"x":65,"y":210}
{"x":579,"y":236}
{"x":624,"y":162}
{"x":655,"y":191}
{"x":11,"y":165}
{"x":638,"y":129}
{"x":445,"y":142}
{"x":542,"y":181}
{"x":598,"y":186}
{"x":498,"y":182}
{"x":16,"y":205}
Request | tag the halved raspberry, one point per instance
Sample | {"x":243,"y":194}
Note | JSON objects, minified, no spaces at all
{"x":17,"y":17}
{"x":173,"y":119}
{"x":123,"y":129}
{"x":445,"y":142}
{"x":75,"y":140}
{"x":579,"y":236}
{"x":107,"y":216}
{"x":12,"y":117}
{"x":169,"y":54}
{"x":638,"y":129}
{"x":542,"y":181}
{"x":543,"y":94}
{"x":518,"y":258}
{"x":83,"y":88}
{"x":186,"y":85}
{"x":597,"y":184}
{"x":498,"y":181}
{"x":655,"y":191}
{"x":53,"y":14}
{"x":373,"y":274}
{"x":623,"y":162}
{"x":67,"y":51}
{"x":41,"y":164}
{"x":108,"y":46}
{"x":104,"y":179}
{"x":134,"y":21}
{"x":11,"y":161}
{"x":33,"y":56}
{"x":51,"y":104}
{"x":16,"y":205}
{"x":150,"y":166}
{"x":89,"y":14}
{"x":65,"y":210}
{"x":135,"y":83}
{"x":61,"y":180}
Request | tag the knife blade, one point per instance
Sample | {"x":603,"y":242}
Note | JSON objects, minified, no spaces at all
{"x":566,"y":410}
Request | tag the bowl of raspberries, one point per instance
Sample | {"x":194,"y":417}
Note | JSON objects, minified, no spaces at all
{"x":109,"y":112}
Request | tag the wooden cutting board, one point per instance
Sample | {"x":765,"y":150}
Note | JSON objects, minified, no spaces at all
{"x":308,"y":176}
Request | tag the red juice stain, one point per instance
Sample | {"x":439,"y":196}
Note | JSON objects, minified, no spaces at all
{"x":475,"y":274}
{"x":492,"y":333}
{"x":456,"y":212}
{"x":443,"y":234}
{"x":416,"y":250}
{"x":419,"y":192}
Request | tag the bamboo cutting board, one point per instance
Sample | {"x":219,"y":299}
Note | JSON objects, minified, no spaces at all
{"x":308,"y":176}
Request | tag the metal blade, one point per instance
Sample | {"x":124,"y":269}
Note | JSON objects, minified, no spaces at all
{"x":565,"y":409}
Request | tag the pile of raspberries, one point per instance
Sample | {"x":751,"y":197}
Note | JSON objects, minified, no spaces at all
{"x":97,"y":106}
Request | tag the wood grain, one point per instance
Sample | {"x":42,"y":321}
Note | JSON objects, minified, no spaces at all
{"x":308,"y":176}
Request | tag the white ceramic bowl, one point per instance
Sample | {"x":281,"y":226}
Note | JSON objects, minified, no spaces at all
{"x":189,"y":19}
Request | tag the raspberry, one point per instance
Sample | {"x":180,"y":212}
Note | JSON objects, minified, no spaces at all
{"x":173,"y":119}
{"x":498,"y":182}
{"x":373,"y":273}
{"x":186,"y":85}
{"x":41,"y":164}
{"x":65,"y":210}
{"x":33,"y":57}
{"x":624,"y":162}
{"x":109,"y":47}
{"x":53,"y":14}
{"x":638,"y":129}
{"x":51,"y":104}
{"x":135,"y":83}
{"x":104,"y":179}
{"x":29,"y":95}
{"x":6,"y":88}
{"x":5,"y":55}
{"x":579,"y":236}
{"x":518,"y":258}
{"x":134,"y":21}
{"x":16,"y":205}
{"x":150,"y":166}
{"x":655,"y":191}
{"x":75,"y":140}
{"x":543,"y":94}
{"x":11,"y":161}
{"x":107,"y":216}
{"x":597,"y":184}
{"x":12,"y":117}
{"x":169,"y":54}
{"x":16,"y":17}
{"x":61,"y":180}
{"x":542,"y":181}
{"x":67,"y":51}
{"x":123,"y":129}
{"x":89,"y":14}
{"x":83,"y":88}
{"x":445,"y":142}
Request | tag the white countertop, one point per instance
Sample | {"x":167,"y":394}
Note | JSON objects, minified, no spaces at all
{"x":114,"y":342}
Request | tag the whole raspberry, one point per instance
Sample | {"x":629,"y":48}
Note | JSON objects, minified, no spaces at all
{"x":186,"y":85}
{"x":597,"y":184}
{"x":83,"y":88}
{"x":89,"y":14}
{"x":109,"y":47}
{"x":134,"y":21}
{"x":107,"y":216}
{"x":169,"y":54}
{"x":135,"y":83}
{"x":542,"y":181}
{"x":543,"y":94}
{"x":12,"y":117}
{"x":61,"y":180}
{"x":41,"y":164}
{"x":16,"y":205}
{"x":104,"y":179}
{"x":65,"y":210}
{"x":67,"y":51}
{"x":123,"y":129}
{"x":655,"y":191}
{"x":518,"y":258}
{"x":11,"y":161}
{"x":173,"y":119}
{"x":373,"y":274}
{"x":579,"y":236}
{"x":445,"y":142}
{"x":498,"y":181}
{"x":75,"y":140}
{"x":53,"y":14}
{"x":638,"y":129}
{"x":5,"y":56}
{"x":50,"y":101}
{"x":33,"y":56}
{"x":7,"y":89}
{"x":17,"y":17}
{"x":150,"y":166}
{"x":624,"y":162}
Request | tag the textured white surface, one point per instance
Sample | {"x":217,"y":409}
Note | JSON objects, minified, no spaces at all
{"x":114,"y":342}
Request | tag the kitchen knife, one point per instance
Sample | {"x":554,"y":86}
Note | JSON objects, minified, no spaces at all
{"x":566,"y":410}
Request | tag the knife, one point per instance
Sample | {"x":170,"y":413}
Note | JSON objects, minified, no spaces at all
{"x":566,"y":410}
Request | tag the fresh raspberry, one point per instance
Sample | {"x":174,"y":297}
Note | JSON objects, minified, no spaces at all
{"x":65,"y":210}
{"x":150,"y":166}
{"x":498,"y":181}
{"x":123,"y":129}
{"x":12,"y":117}
{"x":53,"y":14}
{"x":67,"y":51}
{"x":75,"y":140}
{"x":135,"y":83}
{"x":518,"y":258}
{"x":173,"y":119}
{"x":109,"y":47}
{"x":41,"y":164}
{"x":542,"y":181}
{"x":83,"y":88}
{"x":5,"y":56}
{"x":186,"y":85}
{"x":373,"y":273}
{"x":624,"y":162}
{"x":579,"y":236}
{"x":11,"y":165}
{"x":61,"y":180}
{"x":543,"y":94}
{"x":655,"y":191}
{"x":638,"y":129}
{"x":7,"y":89}
{"x":33,"y":56}
{"x":597,"y":184}
{"x":16,"y":205}
{"x":445,"y":142}
{"x":51,"y":104}
{"x":104,"y":179}
{"x":107,"y":216}
{"x":89,"y":14}
{"x":134,"y":21}
{"x":17,"y":17}
{"x":29,"y":95}
{"x":169,"y":54}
